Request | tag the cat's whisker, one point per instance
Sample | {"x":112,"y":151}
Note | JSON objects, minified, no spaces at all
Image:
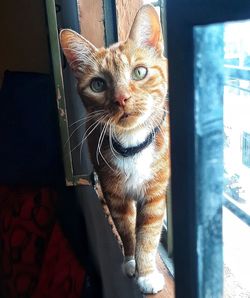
{"x":97,"y":120}
{"x":102,"y":154}
{"x":85,"y":119}
{"x":83,"y":138}
{"x":160,"y":108}
{"x":160,"y":129}
{"x":107,"y":163}
{"x":72,"y":133}
{"x":160,"y":116}
{"x":93,"y":113}
{"x":113,"y":151}
{"x":79,"y":120}
{"x":164,"y":109}
{"x":110,"y":142}
{"x":86,"y":136}
{"x":88,"y":132}
{"x":144,"y":124}
{"x":151,"y":127}
{"x":100,"y":140}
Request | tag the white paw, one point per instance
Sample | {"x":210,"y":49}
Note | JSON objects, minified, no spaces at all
{"x":129,"y":267}
{"x":151,"y":283}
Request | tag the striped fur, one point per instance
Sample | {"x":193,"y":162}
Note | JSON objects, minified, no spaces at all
{"x":134,"y":187}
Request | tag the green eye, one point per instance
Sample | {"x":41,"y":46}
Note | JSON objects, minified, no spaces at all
{"x":139,"y":73}
{"x":98,"y":85}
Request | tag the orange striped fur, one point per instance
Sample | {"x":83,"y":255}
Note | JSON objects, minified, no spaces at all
{"x":129,"y":109}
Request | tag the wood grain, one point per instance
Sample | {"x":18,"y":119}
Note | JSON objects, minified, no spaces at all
{"x":168,"y":291}
{"x":125,"y":12}
{"x":91,"y":20}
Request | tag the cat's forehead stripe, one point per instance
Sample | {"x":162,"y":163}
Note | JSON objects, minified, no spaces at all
{"x":114,"y":60}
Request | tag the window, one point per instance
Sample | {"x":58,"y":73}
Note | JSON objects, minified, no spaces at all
{"x":246,"y":149}
{"x":198,"y":36}
{"x":236,"y":214}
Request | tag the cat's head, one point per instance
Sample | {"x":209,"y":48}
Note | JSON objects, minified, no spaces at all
{"x":128,"y":80}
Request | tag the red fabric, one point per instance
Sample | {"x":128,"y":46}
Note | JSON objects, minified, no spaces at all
{"x":35,"y":258}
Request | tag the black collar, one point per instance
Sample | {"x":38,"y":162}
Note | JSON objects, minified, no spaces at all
{"x":131,"y":151}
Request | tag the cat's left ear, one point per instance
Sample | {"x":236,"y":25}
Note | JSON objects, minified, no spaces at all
{"x":146,"y":29}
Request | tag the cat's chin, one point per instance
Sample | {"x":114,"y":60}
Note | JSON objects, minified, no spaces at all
{"x":127,"y":128}
{"x":127,"y":122}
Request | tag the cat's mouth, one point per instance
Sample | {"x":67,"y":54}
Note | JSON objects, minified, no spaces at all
{"x":125,"y":115}
{"x":127,"y":120}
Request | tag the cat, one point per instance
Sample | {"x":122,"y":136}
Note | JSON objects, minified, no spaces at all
{"x":124,"y":89}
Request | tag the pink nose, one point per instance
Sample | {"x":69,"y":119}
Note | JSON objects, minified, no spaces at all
{"x":121,"y":99}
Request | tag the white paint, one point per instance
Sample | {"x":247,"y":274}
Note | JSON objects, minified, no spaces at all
{"x":151,"y":283}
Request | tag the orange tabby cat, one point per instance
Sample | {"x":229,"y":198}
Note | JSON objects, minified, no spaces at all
{"x":124,"y":90}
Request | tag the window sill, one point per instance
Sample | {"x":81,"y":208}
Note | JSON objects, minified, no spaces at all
{"x":168,"y":291}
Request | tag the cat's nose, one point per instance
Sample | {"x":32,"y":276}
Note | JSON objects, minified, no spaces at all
{"x":121,"y":98}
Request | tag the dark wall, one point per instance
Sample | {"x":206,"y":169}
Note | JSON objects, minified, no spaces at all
{"x":23,"y":43}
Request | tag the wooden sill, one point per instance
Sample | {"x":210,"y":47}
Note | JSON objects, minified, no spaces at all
{"x":168,"y":291}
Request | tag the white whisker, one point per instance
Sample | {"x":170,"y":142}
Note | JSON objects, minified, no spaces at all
{"x":106,"y":162}
{"x":159,"y":127}
{"x":88,"y":132}
{"x":88,"y":117}
{"x":110,"y":142}
{"x":98,"y":148}
{"x":86,"y":120}
{"x":74,"y":132}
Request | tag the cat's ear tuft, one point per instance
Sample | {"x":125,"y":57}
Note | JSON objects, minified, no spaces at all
{"x":146,"y":28}
{"x":77,"y":50}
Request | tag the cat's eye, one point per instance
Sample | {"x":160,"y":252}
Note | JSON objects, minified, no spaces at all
{"x":98,"y":85}
{"x":139,"y":73}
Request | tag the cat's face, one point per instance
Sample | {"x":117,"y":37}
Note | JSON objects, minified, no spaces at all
{"x":127,"y":82}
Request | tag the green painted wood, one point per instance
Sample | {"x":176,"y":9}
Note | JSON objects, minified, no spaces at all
{"x":60,"y":95}
{"x":169,"y":224}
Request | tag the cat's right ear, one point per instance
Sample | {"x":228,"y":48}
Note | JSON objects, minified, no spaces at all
{"x":77,"y":50}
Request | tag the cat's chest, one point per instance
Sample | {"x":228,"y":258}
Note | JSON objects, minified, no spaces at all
{"x":136,"y":170}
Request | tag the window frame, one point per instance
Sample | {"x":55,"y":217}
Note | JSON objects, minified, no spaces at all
{"x":182,"y":17}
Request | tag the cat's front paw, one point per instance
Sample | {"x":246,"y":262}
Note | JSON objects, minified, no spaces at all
{"x":151,"y":283}
{"x":129,"y":267}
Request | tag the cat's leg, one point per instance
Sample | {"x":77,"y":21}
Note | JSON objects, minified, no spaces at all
{"x":123,"y":212}
{"x":148,"y":227}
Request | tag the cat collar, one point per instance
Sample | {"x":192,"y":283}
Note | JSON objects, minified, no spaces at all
{"x":131,"y":151}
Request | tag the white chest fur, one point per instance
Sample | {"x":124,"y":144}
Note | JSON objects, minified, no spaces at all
{"x":136,"y":169}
